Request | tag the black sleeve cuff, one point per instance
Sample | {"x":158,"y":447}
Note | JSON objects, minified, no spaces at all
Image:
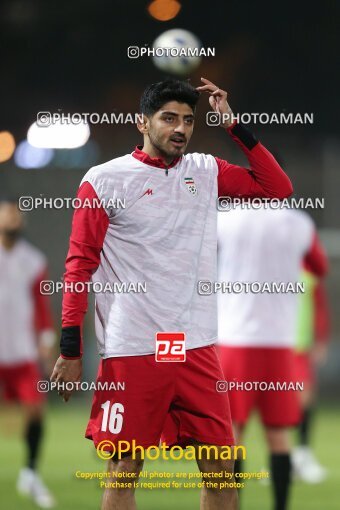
{"x":70,"y":342}
{"x":246,"y":137}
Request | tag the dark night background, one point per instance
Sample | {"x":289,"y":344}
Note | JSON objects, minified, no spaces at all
{"x":70,"y":56}
{"x":270,"y":57}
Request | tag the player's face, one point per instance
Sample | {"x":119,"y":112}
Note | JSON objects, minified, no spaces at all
{"x":10,"y":219}
{"x":170,"y":128}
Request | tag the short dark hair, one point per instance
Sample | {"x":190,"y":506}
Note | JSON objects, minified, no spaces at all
{"x":9,"y":199}
{"x":158,"y":94}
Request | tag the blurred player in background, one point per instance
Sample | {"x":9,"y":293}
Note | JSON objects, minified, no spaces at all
{"x":165,"y":236}
{"x":313,"y":332}
{"x":257,"y":330}
{"x":26,"y":337}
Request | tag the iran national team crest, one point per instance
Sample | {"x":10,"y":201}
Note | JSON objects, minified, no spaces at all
{"x":190,"y":184}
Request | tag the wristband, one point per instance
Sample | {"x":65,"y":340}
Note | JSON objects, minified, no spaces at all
{"x":70,"y":342}
{"x":245,"y":136}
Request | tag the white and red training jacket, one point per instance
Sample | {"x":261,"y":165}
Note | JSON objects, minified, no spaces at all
{"x":165,"y":236}
{"x":24,"y":311}
{"x":264,"y":246}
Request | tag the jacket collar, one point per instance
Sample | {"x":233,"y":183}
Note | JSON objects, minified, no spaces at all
{"x":157,"y":162}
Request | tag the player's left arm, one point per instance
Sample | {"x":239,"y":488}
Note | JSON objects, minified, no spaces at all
{"x":316,"y":260}
{"x":322,"y":325}
{"x":322,"y":322}
{"x":265,"y":178}
{"x":43,"y":322}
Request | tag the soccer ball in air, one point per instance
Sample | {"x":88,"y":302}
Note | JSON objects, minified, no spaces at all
{"x":169,"y":48}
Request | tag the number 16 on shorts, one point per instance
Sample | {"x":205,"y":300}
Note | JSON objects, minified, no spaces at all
{"x":170,"y":347}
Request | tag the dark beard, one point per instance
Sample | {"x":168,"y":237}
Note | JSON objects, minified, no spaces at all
{"x":11,"y":235}
{"x":155,"y":143}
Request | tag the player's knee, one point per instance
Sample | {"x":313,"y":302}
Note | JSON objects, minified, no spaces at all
{"x":238,"y":429}
{"x":126,"y":465}
{"x":34,"y":412}
{"x":278,"y":439}
{"x":224,"y":468}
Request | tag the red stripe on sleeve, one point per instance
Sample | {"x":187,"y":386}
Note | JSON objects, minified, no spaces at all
{"x":264,"y":179}
{"x":322,"y":314}
{"x":89,"y":227}
{"x":42,"y":311}
{"x":316,"y":260}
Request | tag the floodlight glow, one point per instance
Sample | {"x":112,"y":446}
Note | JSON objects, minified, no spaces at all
{"x":58,"y":135}
{"x":27,"y":156}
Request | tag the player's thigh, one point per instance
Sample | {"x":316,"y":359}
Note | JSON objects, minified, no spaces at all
{"x":21,"y":385}
{"x":199,"y":411}
{"x":136,"y":408}
{"x":279,"y":408}
{"x":305,"y":375}
{"x":238,"y":429}
{"x":240,"y":366}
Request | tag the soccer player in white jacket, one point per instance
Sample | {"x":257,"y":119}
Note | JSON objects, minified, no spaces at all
{"x":26,"y":340}
{"x":165,"y":236}
{"x":261,"y":250}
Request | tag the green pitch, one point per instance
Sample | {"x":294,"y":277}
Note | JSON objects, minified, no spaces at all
{"x":65,"y":452}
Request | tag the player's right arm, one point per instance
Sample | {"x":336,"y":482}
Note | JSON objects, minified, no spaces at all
{"x":316,"y":260}
{"x":43,"y":322}
{"x":89,"y":227}
{"x":322,"y":325}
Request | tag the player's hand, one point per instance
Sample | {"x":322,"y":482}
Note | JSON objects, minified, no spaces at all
{"x":47,"y":356}
{"x":218,"y":101}
{"x":319,"y":354}
{"x":66,"y":370}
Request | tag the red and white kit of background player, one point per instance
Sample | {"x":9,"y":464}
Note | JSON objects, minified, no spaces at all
{"x":257,"y":331}
{"x":26,"y":337}
{"x":165,"y":236}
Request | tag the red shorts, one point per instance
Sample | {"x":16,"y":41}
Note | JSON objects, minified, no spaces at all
{"x":19,"y":382}
{"x":256,"y":364}
{"x":172,"y":402}
{"x":304,"y":368}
